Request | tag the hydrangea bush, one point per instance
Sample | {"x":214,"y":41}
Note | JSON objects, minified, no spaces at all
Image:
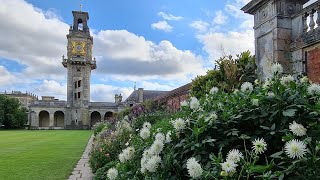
{"x":264,"y":130}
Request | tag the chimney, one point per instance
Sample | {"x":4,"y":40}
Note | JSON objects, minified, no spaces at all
{"x":116,"y":98}
{"x":120,"y":98}
{"x":140,"y":95}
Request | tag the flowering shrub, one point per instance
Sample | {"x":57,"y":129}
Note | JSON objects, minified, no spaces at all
{"x":100,"y":126}
{"x":266,"y":130}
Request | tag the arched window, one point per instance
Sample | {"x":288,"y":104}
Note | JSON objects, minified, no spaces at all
{"x":80,"y":24}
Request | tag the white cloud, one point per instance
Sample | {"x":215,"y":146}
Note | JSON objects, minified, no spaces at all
{"x":143,"y":59}
{"x":105,"y":93}
{"x":218,"y":44}
{"x":6,"y":78}
{"x":200,"y":26}
{"x":162,"y":25}
{"x":156,"y":86}
{"x":169,"y":16}
{"x":51,"y":88}
{"x":220,"y":18}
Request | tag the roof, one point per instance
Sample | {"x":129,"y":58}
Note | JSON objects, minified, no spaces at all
{"x":147,"y":94}
{"x":182,"y":90}
{"x":102,"y":104}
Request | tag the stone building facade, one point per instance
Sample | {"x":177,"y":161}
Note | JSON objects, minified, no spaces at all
{"x":77,"y":112}
{"x":25,"y":99}
{"x":287,"y":32}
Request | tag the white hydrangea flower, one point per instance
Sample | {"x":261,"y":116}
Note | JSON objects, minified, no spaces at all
{"x":194,"y":103}
{"x":112,"y":173}
{"x":160,"y":137}
{"x":168,"y":137}
{"x":184,"y":104}
{"x":234,"y":155}
{"x":129,"y":152}
{"x":213,"y":116}
{"x":256,"y":82}
{"x":276,"y":68}
{"x":194,"y":168}
{"x":156,"y":147}
{"x":214,"y":90}
{"x":153,"y":163}
{"x":295,"y":149}
{"x":179,"y":124}
{"x":267,"y":83}
{"x":126,"y":154}
{"x":247,"y":87}
{"x":314,"y":89}
{"x":146,"y":125}
{"x":145,"y":133}
{"x":297,"y":129}
{"x":125,"y":125}
{"x":255,"y":102}
{"x":259,"y":146}
{"x":304,"y":79}
{"x":122,"y":158}
{"x":285,"y":80}
{"x":271,"y":95}
{"x":147,"y":153}
{"x":229,"y":166}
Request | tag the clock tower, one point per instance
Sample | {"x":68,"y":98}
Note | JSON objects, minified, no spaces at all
{"x":79,"y":64}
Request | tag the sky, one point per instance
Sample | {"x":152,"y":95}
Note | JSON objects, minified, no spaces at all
{"x":159,"y":44}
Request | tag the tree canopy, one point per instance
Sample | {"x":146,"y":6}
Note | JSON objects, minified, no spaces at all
{"x":12,"y":115}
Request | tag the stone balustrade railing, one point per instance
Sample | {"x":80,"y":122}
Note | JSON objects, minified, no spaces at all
{"x":311,"y":18}
{"x":49,"y":103}
{"x":306,"y":26}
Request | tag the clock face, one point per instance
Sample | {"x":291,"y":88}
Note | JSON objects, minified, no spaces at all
{"x":78,"y":48}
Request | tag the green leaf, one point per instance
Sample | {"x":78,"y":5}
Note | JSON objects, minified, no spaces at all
{"x":277,"y":154}
{"x":273,"y":127}
{"x":281,"y":176}
{"x":289,"y":112}
{"x":259,"y":168}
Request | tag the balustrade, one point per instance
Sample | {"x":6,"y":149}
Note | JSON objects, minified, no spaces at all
{"x":311,"y":20}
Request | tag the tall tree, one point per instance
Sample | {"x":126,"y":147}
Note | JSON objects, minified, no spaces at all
{"x":12,"y":115}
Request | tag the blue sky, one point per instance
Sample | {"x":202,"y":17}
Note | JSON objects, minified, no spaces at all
{"x":160,"y":44}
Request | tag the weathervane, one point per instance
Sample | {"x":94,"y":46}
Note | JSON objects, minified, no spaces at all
{"x":80,"y":6}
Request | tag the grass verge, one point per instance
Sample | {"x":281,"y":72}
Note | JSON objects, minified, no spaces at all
{"x":35,"y":155}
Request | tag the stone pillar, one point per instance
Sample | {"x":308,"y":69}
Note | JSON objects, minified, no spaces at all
{"x":273,"y":31}
{"x":51,"y":119}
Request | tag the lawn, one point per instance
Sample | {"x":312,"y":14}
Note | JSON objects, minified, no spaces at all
{"x":39,"y":154}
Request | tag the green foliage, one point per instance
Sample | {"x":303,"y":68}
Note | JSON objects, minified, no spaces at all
{"x":12,"y":115}
{"x":229,"y":75}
